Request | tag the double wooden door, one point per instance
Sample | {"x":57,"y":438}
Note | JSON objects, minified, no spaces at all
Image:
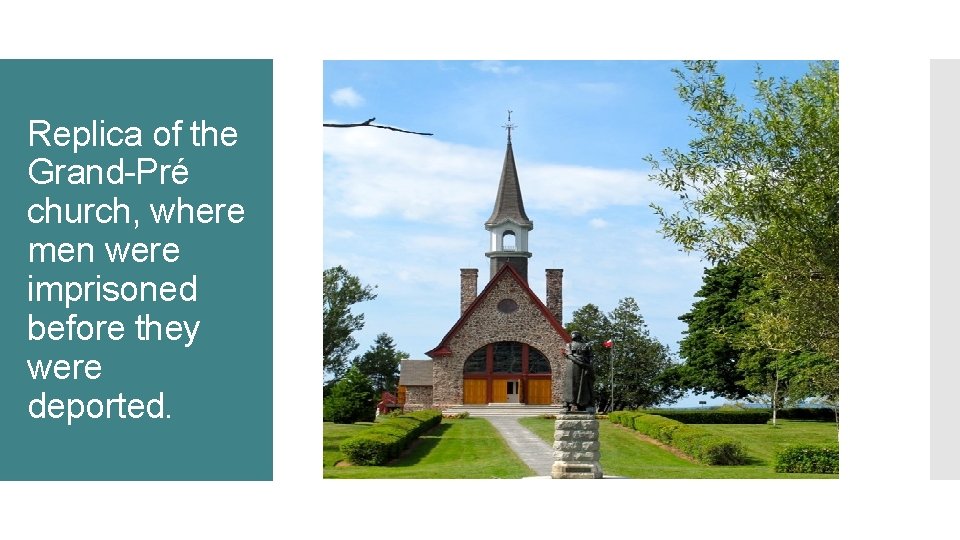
{"x":531,"y":391}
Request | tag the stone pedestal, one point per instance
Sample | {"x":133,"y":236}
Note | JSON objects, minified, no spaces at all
{"x":576,"y":446}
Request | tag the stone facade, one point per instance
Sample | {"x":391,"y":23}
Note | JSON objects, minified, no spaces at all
{"x":506,"y":312}
{"x":418,"y":397}
{"x":483,"y":323}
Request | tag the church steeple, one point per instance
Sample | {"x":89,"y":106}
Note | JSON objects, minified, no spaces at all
{"x":509,"y":224}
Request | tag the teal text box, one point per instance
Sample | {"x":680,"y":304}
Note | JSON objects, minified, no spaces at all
{"x":217,"y":393}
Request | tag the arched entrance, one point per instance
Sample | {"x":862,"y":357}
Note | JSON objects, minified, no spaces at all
{"x":507,"y":372}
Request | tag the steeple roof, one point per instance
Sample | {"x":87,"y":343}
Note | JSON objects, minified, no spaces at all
{"x":509,"y":203}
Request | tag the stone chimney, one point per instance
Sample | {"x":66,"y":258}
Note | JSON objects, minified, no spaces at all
{"x":468,"y":288}
{"x":555,"y":293}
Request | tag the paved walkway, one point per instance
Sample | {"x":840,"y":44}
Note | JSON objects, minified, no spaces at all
{"x":537,"y":454}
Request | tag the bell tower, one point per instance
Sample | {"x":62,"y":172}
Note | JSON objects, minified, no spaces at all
{"x":509,"y":225}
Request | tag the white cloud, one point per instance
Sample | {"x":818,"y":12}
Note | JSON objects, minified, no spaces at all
{"x":370,"y":173}
{"x":346,"y":97}
{"x":340,"y":233}
{"x":447,"y":244}
{"x":497,"y":67}
{"x":598,"y":223}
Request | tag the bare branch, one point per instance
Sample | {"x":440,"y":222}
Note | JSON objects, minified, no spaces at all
{"x":369,"y":123}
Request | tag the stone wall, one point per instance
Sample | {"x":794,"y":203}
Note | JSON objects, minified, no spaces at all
{"x":418,"y":397}
{"x":555,"y":293}
{"x":468,"y":287}
{"x":486,"y":325}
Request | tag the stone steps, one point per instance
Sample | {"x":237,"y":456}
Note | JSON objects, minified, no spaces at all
{"x":504,"y":409}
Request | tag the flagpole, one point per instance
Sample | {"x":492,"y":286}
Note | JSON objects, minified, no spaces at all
{"x":609,"y":344}
{"x":611,"y":376}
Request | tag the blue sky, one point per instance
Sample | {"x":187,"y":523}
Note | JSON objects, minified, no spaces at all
{"x":406,"y":212}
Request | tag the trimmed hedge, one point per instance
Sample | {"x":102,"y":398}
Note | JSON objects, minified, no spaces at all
{"x":720,"y":416}
{"x":693,"y":441}
{"x":821,"y":414}
{"x":385,"y":440}
{"x":808,"y":458}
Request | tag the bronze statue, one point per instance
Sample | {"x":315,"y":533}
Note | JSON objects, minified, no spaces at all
{"x":578,"y":385}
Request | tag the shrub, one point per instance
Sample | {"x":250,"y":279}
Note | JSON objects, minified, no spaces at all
{"x":821,"y":414}
{"x":369,"y":448}
{"x":387,"y":439}
{"x":693,"y":441}
{"x":428,"y":418}
{"x":808,"y":458}
{"x":720,"y":416}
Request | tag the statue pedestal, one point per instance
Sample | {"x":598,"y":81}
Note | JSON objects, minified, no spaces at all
{"x":576,"y":446}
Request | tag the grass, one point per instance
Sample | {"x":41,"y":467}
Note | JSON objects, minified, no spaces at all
{"x":764,"y":441}
{"x":472,"y":448}
{"x":457,"y":448}
{"x":624,"y":453}
{"x":334,"y":435}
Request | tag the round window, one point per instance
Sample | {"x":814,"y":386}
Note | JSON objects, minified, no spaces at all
{"x":507,"y":305}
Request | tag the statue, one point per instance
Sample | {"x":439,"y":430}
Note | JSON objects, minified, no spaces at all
{"x":578,"y":385}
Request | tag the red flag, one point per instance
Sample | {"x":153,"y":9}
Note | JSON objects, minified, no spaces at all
{"x":608,"y":343}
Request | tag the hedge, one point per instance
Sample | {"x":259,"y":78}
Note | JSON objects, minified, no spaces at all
{"x":719,"y":416}
{"x":819,"y":414}
{"x":808,"y":458}
{"x":693,"y":441}
{"x":385,"y":440}
{"x":744,"y":416}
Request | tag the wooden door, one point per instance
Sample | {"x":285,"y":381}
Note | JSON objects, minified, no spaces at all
{"x":474,"y":392}
{"x":499,"y":391}
{"x":539,"y":392}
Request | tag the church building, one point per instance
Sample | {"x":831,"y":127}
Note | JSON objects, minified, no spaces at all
{"x":507,"y":346}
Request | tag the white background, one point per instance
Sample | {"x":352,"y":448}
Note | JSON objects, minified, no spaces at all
{"x":884,"y":54}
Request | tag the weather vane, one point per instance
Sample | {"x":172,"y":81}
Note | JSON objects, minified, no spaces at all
{"x":509,"y":126}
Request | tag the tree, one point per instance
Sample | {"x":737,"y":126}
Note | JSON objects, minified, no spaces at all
{"x":351,"y":399}
{"x":763,"y":186}
{"x":638,"y":360}
{"x":381,"y":364}
{"x":713,"y":341}
{"x":722,"y":354}
{"x":340,"y":291}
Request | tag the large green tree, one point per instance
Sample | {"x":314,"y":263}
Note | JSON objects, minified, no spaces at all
{"x":636,"y":358}
{"x":721,"y":353}
{"x":381,"y":364}
{"x":341,"y":290}
{"x":351,"y":399}
{"x":762,"y":185}
{"x":713,"y":342}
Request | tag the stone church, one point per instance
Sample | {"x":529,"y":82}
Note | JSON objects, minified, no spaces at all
{"x":507,"y":346}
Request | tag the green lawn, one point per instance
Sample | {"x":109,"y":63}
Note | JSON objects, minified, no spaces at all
{"x":472,"y":448}
{"x":457,"y":448}
{"x":764,"y":441}
{"x":623,"y":453}
{"x":333,"y":435}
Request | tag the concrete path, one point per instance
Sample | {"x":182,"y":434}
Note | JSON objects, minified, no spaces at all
{"x":537,"y":454}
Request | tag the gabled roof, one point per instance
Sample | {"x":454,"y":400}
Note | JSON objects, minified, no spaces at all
{"x":509,"y":203}
{"x":416,"y":373}
{"x":506,"y":272}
